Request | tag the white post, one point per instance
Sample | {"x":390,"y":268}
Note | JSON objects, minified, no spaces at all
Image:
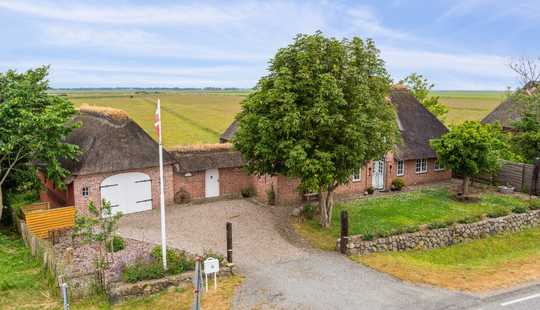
{"x":162,"y":196}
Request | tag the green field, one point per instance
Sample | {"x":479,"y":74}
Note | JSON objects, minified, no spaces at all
{"x":469,"y":105}
{"x":188,"y":117}
{"x":201,"y":116}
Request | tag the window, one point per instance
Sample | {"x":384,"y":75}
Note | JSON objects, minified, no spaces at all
{"x":357,"y":176}
{"x":85,"y":191}
{"x":400,"y":168}
{"x":421,"y":165}
{"x":439,"y":166}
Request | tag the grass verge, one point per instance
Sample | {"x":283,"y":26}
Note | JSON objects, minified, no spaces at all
{"x":495,"y":262}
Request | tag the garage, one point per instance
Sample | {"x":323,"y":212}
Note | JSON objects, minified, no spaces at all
{"x":128,"y":192}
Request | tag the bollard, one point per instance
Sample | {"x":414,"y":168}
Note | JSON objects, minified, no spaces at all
{"x":344,"y":232}
{"x":64,"y":288}
{"x":229,"y":242}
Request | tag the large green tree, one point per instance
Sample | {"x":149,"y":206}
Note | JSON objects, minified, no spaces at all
{"x":472,"y":148}
{"x":33,"y":125}
{"x":320,"y":114}
{"x":420,"y":87}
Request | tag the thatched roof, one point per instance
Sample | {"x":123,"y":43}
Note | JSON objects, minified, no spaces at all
{"x":417,"y":126}
{"x":110,"y":141}
{"x":229,"y":133}
{"x":509,"y":111}
{"x":206,"y":156}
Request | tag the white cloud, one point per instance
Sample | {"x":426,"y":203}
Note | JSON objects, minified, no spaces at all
{"x":365,"y":19}
{"x":138,"y":42}
{"x":194,"y":14}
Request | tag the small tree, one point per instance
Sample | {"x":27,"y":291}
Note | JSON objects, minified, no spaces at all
{"x":100,"y":226}
{"x":33,"y":125}
{"x":420,"y":87}
{"x":472,"y":148}
{"x":319,"y":115}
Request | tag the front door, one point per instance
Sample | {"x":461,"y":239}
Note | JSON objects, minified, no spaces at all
{"x":378,"y":174}
{"x":211,"y":183}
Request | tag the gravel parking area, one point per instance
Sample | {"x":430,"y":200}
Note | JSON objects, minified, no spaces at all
{"x":258,"y":231}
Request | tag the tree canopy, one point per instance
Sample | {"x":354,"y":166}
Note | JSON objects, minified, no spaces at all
{"x":471,"y":148}
{"x":34,"y":125}
{"x":420,"y":87}
{"x":320,"y":114}
{"x":526,"y":137}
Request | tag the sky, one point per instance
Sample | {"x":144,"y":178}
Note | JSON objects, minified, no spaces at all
{"x":456,"y":44}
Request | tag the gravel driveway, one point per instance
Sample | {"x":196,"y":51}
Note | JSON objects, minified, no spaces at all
{"x":282,"y":273}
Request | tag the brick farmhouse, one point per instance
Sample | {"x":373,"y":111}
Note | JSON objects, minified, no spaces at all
{"x":119,"y":162}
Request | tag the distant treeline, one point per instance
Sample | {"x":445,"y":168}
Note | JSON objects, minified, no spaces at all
{"x":152,"y":89}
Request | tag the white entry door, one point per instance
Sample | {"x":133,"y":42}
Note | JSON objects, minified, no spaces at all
{"x":378,"y":174}
{"x":211,"y":183}
{"x":128,"y":192}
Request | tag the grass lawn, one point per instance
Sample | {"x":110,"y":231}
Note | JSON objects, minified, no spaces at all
{"x":23,"y":285}
{"x":495,"y":262}
{"x":376,"y":216}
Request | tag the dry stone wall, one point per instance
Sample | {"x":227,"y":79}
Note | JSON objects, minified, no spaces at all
{"x":436,"y":238}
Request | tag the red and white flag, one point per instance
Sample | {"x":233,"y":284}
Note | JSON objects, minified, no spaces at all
{"x":157,"y":121}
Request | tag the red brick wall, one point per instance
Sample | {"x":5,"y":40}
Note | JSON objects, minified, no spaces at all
{"x":51,"y":193}
{"x":262,"y":185}
{"x":193,"y":184}
{"x":413,"y":178}
{"x":93,"y":183}
{"x":233,"y":180}
{"x":287,"y":191}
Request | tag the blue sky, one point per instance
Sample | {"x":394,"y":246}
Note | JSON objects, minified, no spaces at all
{"x":457,"y":44}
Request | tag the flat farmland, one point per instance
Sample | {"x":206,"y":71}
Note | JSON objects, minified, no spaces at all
{"x":190,"y":117}
{"x":469,"y":105}
{"x":187,"y":118}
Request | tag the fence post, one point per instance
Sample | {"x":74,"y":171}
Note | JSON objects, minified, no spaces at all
{"x":229,"y":242}
{"x":344,"y":232}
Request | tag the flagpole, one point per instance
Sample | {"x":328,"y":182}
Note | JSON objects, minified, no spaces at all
{"x":162,"y":194}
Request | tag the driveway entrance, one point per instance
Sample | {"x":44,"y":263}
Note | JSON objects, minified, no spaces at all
{"x":280,"y":273}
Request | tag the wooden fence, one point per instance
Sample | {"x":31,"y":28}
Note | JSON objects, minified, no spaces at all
{"x":40,"y":219}
{"x":518,"y":175}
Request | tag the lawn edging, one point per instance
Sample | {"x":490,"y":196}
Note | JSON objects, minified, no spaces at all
{"x":442,"y":237}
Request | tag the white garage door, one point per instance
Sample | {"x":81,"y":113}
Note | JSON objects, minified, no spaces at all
{"x":128,"y":192}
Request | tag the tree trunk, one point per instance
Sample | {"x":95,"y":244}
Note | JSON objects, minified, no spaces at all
{"x":465,"y":186}
{"x":326,"y":205}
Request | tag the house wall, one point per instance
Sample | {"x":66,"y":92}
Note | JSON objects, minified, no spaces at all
{"x":413,"y":178}
{"x":231,"y":182}
{"x":50,"y":193}
{"x":93,"y":183}
{"x":263,"y":185}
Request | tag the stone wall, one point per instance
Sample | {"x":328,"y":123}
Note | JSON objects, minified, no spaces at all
{"x":442,"y":237}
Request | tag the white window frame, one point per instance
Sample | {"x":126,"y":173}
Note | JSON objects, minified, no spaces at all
{"x":357,"y":178}
{"x":421,"y":166}
{"x":438,"y":167}
{"x":402,"y":163}
{"x":85,"y":191}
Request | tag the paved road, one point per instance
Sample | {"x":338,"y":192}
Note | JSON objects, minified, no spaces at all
{"x":523,"y":299}
{"x":283,"y":273}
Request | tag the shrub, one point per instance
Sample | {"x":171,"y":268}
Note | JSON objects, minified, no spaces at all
{"x":118,"y":244}
{"x":177,"y":262}
{"x":309,"y":211}
{"x":370,"y":190}
{"x":520,"y":209}
{"x":247,"y":192}
{"x":534,"y":204}
{"x":143,"y":271}
{"x":412,"y":229}
{"x":368,"y":236}
{"x":398,"y":184}
{"x":498,"y":213}
{"x":470,"y":219}
{"x":437,"y":225}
